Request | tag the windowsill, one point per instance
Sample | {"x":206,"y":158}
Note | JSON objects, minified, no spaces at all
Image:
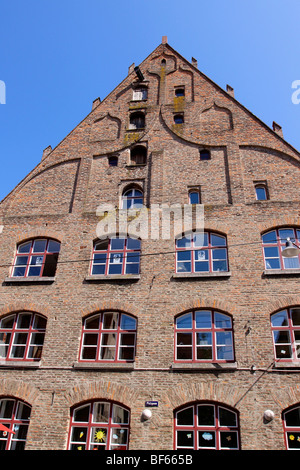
{"x":105,"y":365}
{"x":38,"y":279}
{"x":281,"y":272}
{"x":137,"y":165}
{"x":286,"y":365}
{"x":202,"y":274}
{"x":20,"y":364}
{"x":204,"y":366}
{"x":140,"y":129}
{"x":113,"y":277}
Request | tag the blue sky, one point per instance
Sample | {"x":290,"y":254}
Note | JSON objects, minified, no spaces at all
{"x":56,"y":57}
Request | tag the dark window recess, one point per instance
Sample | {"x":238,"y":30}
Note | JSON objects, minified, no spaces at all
{"x":137,"y":121}
{"x":138,"y":155}
{"x":205,"y":155}
{"x":50,"y":265}
{"x":179,"y":92}
{"x":178,"y":119}
{"x":113,"y":161}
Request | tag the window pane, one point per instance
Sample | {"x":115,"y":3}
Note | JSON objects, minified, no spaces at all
{"x":23,"y":411}
{"x":194,"y":197}
{"x":281,"y":336}
{"x":184,"y":321}
{"x":183,"y":255}
{"x":204,"y":339}
{"x":286,"y":233}
{"x":21,"y":261}
{"x":7,"y":322}
{"x":292,"y":418}
{"x":185,"y":417}
{"x":98,"y":269}
{"x":283,"y":351}
{"x":201,"y":255}
{"x":206,"y":415}
{"x":110,"y":320}
{"x":222,"y":321}
{"x":207,"y":439}
{"x":269,"y":237}
{"x":53,"y":246}
{"x":185,"y":439}
{"x":92,"y":322}
{"x":132,"y":268}
{"x":101,"y":412}
{"x":133,"y":244}
{"x":4,"y":344}
{"x":261,"y":194}
{"x":229,"y":440}
{"x":272,"y":263}
{"x":119,"y":436}
{"x":120,"y":415}
{"x":204,"y":353}
{"x":227,"y":417}
{"x":184,"y":267}
{"x":126,"y":353}
{"x":24,"y":320}
{"x":107,"y":353}
{"x":184,"y":353}
{"x":99,"y":435}
{"x":24,"y":248}
{"x":203,"y":319}
{"x":217,"y":240}
{"x":291,"y":263}
{"x":82,"y":414}
{"x":39,"y":246}
{"x":128,"y":323}
{"x":271,"y":252}
{"x":6,"y":408}
{"x":184,"y":339}
{"x":117,"y":243}
{"x":293,"y":439}
{"x":225,"y":353}
{"x":280,"y":319}
{"x":184,"y":242}
{"x":200,"y":239}
{"x":295,"y":313}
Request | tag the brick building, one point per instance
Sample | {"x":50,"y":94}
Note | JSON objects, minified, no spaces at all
{"x":199,"y":328}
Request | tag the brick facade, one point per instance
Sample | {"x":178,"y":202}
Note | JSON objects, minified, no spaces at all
{"x":59,"y":200}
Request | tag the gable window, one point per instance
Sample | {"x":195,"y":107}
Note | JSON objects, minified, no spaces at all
{"x":201,"y":252}
{"x":132,"y":198}
{"x":206,"y":425}
{"x":22,"y":336}
{"x":204,"y":336}
{"x":108,"y":336}
{"x":99,"y":425}
{"x":274,"y":242}
{"x":204,"y":154}
{"x":285,"y":327}
{"x":137,"y":120}
{"x":36,"y":258}
{"x":15,"y":415}
{"x":194,"y":196}
{"x":179,"y":91}
{"x":261,"y":192}
{"x":138,"y":155}
{"x":140,"y":94}
{"x":291,"y":426}
{"x":113,"y":161}
{"x":116,"y":256}
{"x":178,"y":119}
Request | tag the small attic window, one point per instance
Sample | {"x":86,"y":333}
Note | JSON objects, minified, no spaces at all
{"x":113,"y":161}
{"x":140,"y":94}
{"x":138,"y":155}
{"x":137,"y":121}
{"x":261,"y":191}
{"x":178,"y":119}
{"x":179,"y":92}
{"x":163,"y":62}
{"x":205,"y":154}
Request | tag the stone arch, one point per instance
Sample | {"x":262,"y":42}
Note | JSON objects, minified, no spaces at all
{"x":19,"y":389}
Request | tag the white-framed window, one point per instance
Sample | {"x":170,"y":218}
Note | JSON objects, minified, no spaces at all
{"x":291,"y":426}
{"x":14,"y":415}
{"x":273,"y":242}
{"x":140,"y":94}
{"x":37,"y":257}
{"x":285,"y":326}
{"x":118,"y":256}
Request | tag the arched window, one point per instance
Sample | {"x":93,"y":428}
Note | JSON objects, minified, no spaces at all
{"x":206,"y":425}
{"x":108,"y":336}
{"x":273,"y":243}
{"x":194,"y":196}
{"x":138,"y":155}
{"x":22,"y":336}
{"x":99,"y":425}
{"x":116,"y":256}
{"x":36,"y":257}
{"x":203,"y":336}
{"x":201,"y":252}
{"x":261,"y":191}
{"x":285,"y":326}
{"x":291,"y":426}
{"x":132,"y":198}
{"x":137,"y":120}
{"x":14,"y":415}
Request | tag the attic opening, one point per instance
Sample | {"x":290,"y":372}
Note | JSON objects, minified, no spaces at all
{"x":138,"y":155}
{"x":137,"y":120}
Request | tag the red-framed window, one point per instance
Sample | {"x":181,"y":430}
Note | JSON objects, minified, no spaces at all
{"x":99,"y":425}
{"x":204,"y":336}
{"x":116,"y":256}
{"x":273,"y":243}
{"x":15,"y":415}
{"x":108,"y":337}
{"x":291,"y":426}
{"x":206,"y":425}
{"x":285,"y":326}
{"x":22,"y":336}
{"x":201,"y":252}
{"x":36,"y":257}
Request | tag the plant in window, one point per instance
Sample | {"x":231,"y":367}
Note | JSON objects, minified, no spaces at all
{"x":116,"y":256}
{"x":108,"y":336}
{"x":36,"y":258}
{"x":99,"y":425}
{"x":201,"y":252}
{"x":22,"y":336}
{"x":206,"y":426}
{"x":203,"y":336}
{"x":274,"y":242}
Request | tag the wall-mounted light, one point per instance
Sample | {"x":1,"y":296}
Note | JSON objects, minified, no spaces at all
{"x":291,"y":250}
{"x":146,"y":414}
